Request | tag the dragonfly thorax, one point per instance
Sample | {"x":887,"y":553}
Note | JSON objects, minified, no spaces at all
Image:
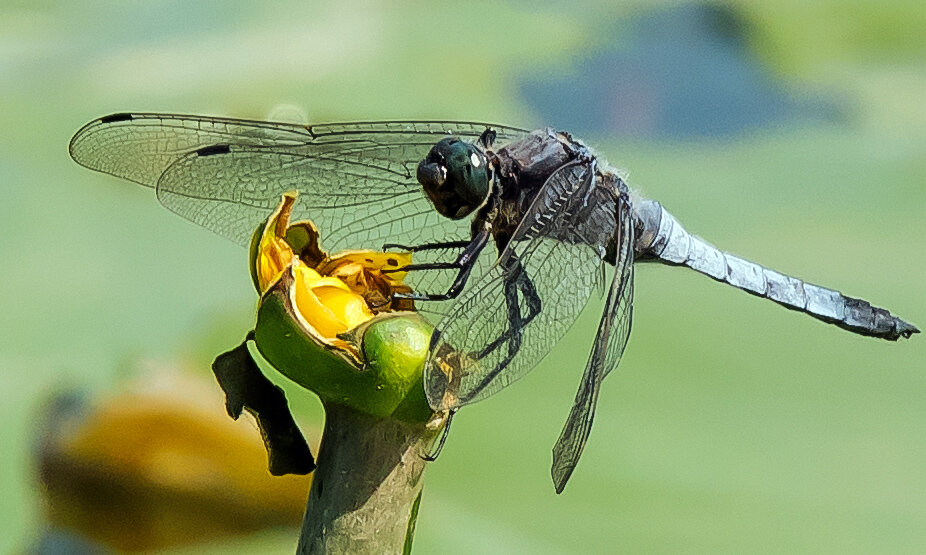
{"x":455,"y":177}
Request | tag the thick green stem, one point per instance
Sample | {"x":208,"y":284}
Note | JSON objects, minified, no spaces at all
{"x":365,"y":490}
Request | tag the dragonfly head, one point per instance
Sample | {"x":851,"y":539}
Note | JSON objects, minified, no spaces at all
{"x":455,"y":177}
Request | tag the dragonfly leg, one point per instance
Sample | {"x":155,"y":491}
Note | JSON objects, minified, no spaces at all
{"x":516,"y":322}
{"x":429,"y":246}
{"x":432,"y":456}
{"x":465,"y":263}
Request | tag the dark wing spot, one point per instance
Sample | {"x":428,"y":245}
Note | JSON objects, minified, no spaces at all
{"x":369,"y":260}
{"x":115,"y":117}
{"x":391,"y":262}
{"x":214,"y":149}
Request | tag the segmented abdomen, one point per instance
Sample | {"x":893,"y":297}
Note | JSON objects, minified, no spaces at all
{"x":661,"y":238}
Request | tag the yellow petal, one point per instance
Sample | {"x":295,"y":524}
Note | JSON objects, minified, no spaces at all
{"x":355,"y":262}
{"x":329,"y":282}
{"x":273,"y":252}
{"x":274,"y":256}
{"x":315,"y":312}
{"x":349,"y":308}
{"x":307,"y":275}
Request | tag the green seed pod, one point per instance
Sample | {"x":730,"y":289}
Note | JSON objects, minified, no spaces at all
{"x":395,"y":347}
{"x":383,"y":379}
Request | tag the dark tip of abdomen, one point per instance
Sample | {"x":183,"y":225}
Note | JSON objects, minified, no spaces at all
{"x":905,"y":329}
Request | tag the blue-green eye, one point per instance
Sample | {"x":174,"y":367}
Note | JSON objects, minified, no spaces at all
{"x":455,"y":177}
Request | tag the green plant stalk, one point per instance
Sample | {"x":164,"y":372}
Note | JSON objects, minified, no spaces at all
{"x":378,"y":424}
{"x":365,"y":491}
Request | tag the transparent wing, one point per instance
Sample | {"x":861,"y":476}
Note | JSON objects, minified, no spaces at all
{"x":227,"y":174}
{"x":510,"y":318}
{"x":610,"y":341}
{"x":356,"y":203}
{"x":140,"y":146}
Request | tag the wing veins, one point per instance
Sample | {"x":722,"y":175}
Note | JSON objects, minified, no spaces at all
{"x":610,"y":341}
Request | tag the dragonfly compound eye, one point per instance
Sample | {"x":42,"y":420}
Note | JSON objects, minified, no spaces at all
{"x":454,"y":177}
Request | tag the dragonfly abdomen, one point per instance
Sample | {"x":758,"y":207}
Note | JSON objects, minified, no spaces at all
{"x":660,"y":237}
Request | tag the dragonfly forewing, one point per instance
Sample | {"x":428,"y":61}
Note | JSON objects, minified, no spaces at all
{"x":248,"y":162}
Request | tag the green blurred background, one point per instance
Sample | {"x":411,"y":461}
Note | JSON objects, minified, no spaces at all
{"x":790,"y":133}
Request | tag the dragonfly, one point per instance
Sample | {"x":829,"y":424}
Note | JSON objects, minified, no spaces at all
{"x":556,"y":214}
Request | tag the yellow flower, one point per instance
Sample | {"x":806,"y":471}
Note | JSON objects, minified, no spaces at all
{"x":331,"y":322}
{"x":332,"y":294}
